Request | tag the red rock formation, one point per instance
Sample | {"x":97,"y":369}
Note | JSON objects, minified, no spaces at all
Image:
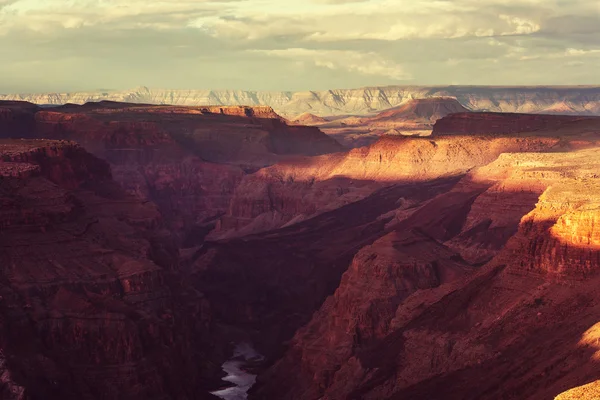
{"x":452,"y":264}
{"x":297,"y":189}
{"x":160,"y":153}
{"x":391,"y":331}
{"x":91,"y":299}
{"x":275,"y":280}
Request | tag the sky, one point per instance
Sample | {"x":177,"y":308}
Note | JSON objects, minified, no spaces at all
{"x":75,"y":45}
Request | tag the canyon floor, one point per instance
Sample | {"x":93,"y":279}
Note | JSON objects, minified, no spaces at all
{"x":147,"y":251}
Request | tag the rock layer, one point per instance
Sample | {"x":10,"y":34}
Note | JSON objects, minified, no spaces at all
{"x":91,"y":301}
{"x":399,"y":327}
{"x":188,"y":160}
{"x":298,"y":189}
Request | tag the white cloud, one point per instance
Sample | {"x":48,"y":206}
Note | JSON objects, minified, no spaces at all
{"x":353,"y":61}
{"x":338,"y":42}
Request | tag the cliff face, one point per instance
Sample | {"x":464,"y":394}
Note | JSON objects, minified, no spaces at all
{"x":275,"y":280}
{"x":563,"y":100}
{"x":298,"y":189}
{"x":411,"y":320}
{"x":91,"y":295}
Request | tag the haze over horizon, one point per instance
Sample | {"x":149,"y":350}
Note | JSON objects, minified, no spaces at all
{"x":66,"y":45}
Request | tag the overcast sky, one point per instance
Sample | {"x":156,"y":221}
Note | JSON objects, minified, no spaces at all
{"x":68,"y":45}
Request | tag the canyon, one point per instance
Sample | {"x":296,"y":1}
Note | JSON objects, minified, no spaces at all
{"x":187,"y":160}
{"x":142,"y":245}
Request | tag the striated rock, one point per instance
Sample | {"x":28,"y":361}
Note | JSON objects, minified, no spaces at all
{"x":297,"y":189}
{"x":275,"y":280}
{"x":394,"y":329}
{"x":188,"y":160}
{"x":91,"y":306}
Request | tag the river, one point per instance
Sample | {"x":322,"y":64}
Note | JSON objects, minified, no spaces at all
{"x":234,"y":368}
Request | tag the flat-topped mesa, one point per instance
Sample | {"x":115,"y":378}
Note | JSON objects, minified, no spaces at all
{"x":236,"y":134}
{"x":503,"y":123}
{"x":244,"y":111}
{"x":116,"y":107}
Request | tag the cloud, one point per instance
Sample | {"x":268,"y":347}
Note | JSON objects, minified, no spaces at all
{"x":68,"y":44}
{"x":353,"y":61}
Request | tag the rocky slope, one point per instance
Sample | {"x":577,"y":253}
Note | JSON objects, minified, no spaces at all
{"x":93,"y":303}
{"x":582,"y":100}
{"x":413,"y":319}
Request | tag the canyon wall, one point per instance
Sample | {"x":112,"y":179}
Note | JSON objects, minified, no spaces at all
{"x":413,"y":318}
{"x":187,"y":160}
{"x":298,"y":189}
{"x":93,"y":303}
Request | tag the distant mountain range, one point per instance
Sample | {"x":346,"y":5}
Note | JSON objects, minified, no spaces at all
{"x":583,"y":100}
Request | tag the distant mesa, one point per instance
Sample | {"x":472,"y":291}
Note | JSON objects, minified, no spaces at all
{"x":579,"y":100}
